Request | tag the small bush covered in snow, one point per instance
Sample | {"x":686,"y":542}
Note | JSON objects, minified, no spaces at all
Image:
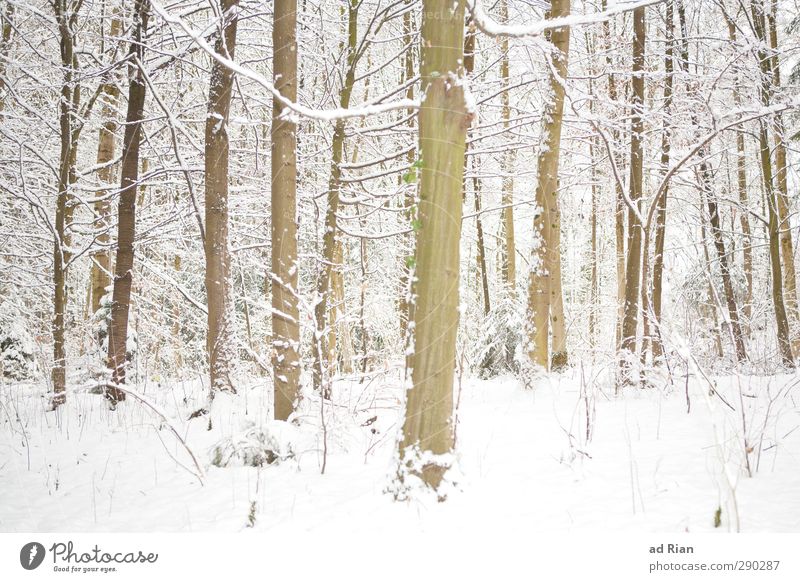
{"x":499,"y":347}
{"x":256,"y":446}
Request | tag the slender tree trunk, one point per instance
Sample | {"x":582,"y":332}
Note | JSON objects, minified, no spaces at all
{"x":323,"y":349}
{"x":126,"y":230}
{"x":619,"y":200}
{"x":405,"y":306}
{"x":722,"y":257}
{"x":6,"y":31}
{"x":469,"y":67}
{"x":100,"y":276}
{"x":741,"y":182}
{"x":218,"y":269}
{"x":66,"y":15}
{"x":285,"y":311}
{"x":633,"y":265}
{"x":661,"y":211}
{"x":559,"y":359}
{"x":594,"y":282}
{"x":778,"y":299}
{"x":484,"y":274}
{"x":443,"y":120}
{"x":782,"y":192}
{"x":710,"y":309}
{"x":542,"y":285}
{"x":509,"y":261}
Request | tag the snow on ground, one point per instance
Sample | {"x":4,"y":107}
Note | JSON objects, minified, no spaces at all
{"x":524,"y":458}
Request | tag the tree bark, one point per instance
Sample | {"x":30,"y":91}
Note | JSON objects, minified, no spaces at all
{"x":722,"y":257}
{"x":285,"y":311}
{"x":782,"y":191}
{"x":634,"y":261}
{"x":126,"y":229}
{"x":218,"y":272}
{"x":545,"y":261}
{"x":427,"y":436}
{"x":100,"y":276}
{"x":661,"y":213}
{"x":778,"y":299}
{"x":741,"y":183}
{"x":483,"y":276}
{"x":323,"y":348}
{"x":6,"y":30}
{"x":619,"y":199}
{"x":66,"y":16}
{"x":405,"y":307}
{"x":509,"y":260}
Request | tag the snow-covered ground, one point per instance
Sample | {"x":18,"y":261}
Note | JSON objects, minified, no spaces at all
{"x":525,"y":460}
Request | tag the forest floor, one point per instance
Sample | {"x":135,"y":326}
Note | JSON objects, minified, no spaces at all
{"x":652,"y":462}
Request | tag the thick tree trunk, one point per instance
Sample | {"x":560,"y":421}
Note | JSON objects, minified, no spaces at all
{"x":219,"y":342}
{"x":633,"y":265}
{"x":443,"y":120}
{"x":545,"y":264}
{"x":285,"y":311}
{"x":126,"y":230}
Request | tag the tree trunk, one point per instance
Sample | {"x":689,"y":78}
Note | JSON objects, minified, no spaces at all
{"x":722,"y":257}
{"x":633,"y":265}
{"x":126,"y":230}
{"x":65,"y":17}
{"x":782,"y":187}
{"x":545,"y":261}
{"x":509,"y":263}
{"x":100,"y":276}
{"x":661,"y":212}
{"x":323,"y":348}
{"x":741,"y":182}
{"x":219,"y":343}
{"x":6,"y":30}
{"x":559,"y":358}
{"x":619,"y":199}
{"x":405,"y":307}
{"x":443,"y":121}
{"x":285,"y":312}
{"x":781,"y":319}
{"x":469,"y":67}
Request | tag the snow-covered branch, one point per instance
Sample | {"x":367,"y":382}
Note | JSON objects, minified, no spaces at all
{"x":493,"y":28}
{"x":293,"y":109}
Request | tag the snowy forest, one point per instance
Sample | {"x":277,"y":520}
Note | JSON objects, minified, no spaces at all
{"x":311,"y":263}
